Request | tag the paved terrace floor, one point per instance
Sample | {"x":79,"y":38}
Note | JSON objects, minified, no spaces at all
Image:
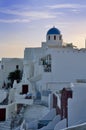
{"x":35,"y":112}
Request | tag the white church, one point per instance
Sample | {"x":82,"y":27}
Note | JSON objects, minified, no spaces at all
{"x":54,"y":63}
{"x":55,"y":74}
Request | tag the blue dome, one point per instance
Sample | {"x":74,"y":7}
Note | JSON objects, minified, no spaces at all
{"x":53,"y":31}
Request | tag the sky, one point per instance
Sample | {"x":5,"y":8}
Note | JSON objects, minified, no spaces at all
{"x":24,"y":23}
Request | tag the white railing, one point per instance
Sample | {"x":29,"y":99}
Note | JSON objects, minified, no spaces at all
{"x":77,"y":127}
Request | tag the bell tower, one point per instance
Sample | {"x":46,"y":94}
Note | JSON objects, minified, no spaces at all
{"x":54,"y":38}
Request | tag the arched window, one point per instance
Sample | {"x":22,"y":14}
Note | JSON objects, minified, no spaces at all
{"x":48,"y":37}
{"x":54,"y":37}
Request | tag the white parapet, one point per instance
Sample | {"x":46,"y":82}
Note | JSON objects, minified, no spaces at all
{"x":24,"y":101}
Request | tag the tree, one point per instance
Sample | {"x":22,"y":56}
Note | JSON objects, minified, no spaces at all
{"x":15,"y":75}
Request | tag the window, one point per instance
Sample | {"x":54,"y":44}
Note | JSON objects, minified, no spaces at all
{"x":46,"y":62}
{"x":48,"y":37}
{"x":17,"y":66}
{"x":54,"y":37}
{"x":47,"y":68}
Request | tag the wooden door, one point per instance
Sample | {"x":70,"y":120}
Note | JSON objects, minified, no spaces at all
{"x":24,"y":89}
{"x":2,"y":114}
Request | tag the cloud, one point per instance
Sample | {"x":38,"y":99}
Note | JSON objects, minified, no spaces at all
{"x":75,"y":11}
{"x":14,"y":21}
{"x":66,"y":6}
{"x":26,"y":16}
{"x":30,"y":14}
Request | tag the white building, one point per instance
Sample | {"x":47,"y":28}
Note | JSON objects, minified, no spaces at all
{"x":54,"y":65}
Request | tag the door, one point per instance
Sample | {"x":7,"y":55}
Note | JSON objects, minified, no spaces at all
{"x":24,"y":89}
{"x":2,"y":114}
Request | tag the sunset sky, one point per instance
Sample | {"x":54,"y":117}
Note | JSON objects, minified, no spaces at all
{"x":24,"y":23}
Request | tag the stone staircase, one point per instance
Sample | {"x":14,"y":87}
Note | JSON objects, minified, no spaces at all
{"x":5,"y":125}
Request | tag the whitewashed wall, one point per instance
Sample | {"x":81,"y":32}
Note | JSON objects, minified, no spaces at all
{"x":68,"y":65}
{"x":11,"y":95}
{"x":10,"y":110}
{"x":77,"y":105}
